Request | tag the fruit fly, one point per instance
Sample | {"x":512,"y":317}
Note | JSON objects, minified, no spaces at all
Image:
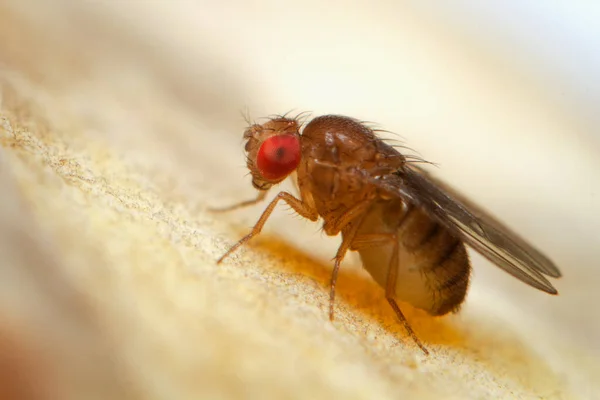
{"x":409,"y":229}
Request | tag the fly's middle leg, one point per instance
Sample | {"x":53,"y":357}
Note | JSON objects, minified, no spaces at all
{"x":347,"y":239}
{"x":332,"y":227}
{"x":348,"y":223}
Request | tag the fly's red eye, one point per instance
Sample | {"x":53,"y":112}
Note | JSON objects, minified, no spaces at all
{"x":278,"y":156}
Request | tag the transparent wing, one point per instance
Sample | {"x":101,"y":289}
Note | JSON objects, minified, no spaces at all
{"x":474,"y":226}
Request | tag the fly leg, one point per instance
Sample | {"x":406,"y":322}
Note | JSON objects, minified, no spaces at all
{"x":347,"y":239}
{"x":352,"y":218}
{"x":379,"y":239}
{"x":337,"y":224}
{"x":294,"y":179}
{"x":260,"y":197}
{"x":298,"y":205}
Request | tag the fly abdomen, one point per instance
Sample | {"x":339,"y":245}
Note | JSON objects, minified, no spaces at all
{"x":449,"y":275}
{"x":441,"y":258}
{"x":433,"y":267}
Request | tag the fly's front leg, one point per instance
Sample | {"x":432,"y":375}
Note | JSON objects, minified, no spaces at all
{"x":379,"y":239}
{"x":260,"y":197}
{"x":298,"y":205}
{"x":294,"y":179}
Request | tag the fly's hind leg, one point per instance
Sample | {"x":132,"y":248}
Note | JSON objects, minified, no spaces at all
{"x":298,"y":205}
{"x":379,"y":239}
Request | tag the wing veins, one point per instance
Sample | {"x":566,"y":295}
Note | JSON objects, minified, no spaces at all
{"x":474,"y":226}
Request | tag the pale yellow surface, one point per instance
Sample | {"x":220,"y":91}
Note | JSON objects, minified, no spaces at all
{"x":112,"y":147}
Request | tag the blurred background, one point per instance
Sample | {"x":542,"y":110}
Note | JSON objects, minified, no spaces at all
{"x":503,"y":96}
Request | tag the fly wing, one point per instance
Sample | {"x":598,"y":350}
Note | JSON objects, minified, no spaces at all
{"x":474,"y":226}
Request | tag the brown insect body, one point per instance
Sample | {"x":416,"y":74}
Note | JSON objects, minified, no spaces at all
{"x":433,"y":266}
{"x":409,"y":229}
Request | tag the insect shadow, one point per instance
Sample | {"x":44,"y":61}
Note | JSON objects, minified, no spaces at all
{"x":362,"y":303}
{"x":358,"y":293}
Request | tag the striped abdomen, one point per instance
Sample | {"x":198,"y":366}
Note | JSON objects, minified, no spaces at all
{"x":433,"y":267}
